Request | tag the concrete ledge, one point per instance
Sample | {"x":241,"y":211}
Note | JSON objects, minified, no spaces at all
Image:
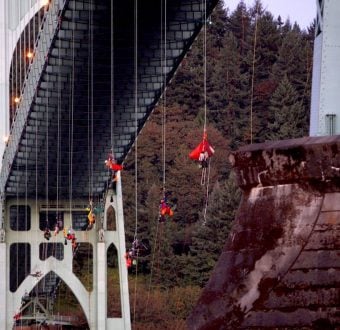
{"x":309,"y":160}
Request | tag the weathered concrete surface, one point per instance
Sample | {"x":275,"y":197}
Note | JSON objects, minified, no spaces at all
{"x":280,"y":267}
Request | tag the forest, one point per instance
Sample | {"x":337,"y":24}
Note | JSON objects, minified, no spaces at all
{"x":256,"y":87}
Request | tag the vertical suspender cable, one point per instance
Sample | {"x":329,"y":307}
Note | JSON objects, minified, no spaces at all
{"x":253,"y":78}
{"x":71,"y":124}
{"x":92,"y":88}
{"x":205,"y":105}
{"x":164,"y":69}
{"x":205,"y":64}
{"x":136,"y":115}
{"x":163,"y":29}
{"x":136,"y":141}
{"x":112,"y":82}
{"x":58,"y":145}
{"x":90,"y":103}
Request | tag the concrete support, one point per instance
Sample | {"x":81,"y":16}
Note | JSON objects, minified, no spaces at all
{"x":280,"y":266}
{"x":4,"y":78}
{"x":118,"y":239}
{"x":94,"y":303}
{"x":101,"y":286}
{"x":3,"y":282}
{"x":123,"y":275}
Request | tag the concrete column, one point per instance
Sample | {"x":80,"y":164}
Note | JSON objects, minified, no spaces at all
{"x":123,"y":275}
{"x":4,"y":79}
{"x":280,"y":266}
{"x":101,"y":286}
{"x":3,"y":281}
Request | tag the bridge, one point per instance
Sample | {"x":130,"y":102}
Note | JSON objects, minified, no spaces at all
{"x":79,"y":79}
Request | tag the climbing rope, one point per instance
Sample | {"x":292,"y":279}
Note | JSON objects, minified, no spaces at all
{"x":205,"y":178}
{"x":136,"y":143}
{"x":159,"y":232}
{"x":253,"y":78}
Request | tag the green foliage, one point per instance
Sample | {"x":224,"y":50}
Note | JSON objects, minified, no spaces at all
{"x":288,"y":114}
{"x":245,"y":47}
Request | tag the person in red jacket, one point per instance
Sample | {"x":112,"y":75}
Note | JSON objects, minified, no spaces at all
{"x":202,"y":153}
{"x":112,"y":165}
{"x":128,"y":259}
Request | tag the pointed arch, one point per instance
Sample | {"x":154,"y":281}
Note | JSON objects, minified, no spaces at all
{"x":114,"y":308}
{"x":111,"y":222}
{"x":65,"y":274}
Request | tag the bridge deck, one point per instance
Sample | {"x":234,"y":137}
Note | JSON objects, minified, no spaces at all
{"x":65,"y":124}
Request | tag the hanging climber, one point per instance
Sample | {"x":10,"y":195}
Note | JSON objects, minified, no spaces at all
{"x":90,"y":216}
{"x":128,"y":259}
{"x":203,"y":151}
{"x":47,"y":234}
{"x":138,"y":248}
{"x":165,"y":209}
{"x":112,"y":165}
{"x":70,"y":234}
{"x":56,"y":230}
{"x":59,"y":224}
{"x":74,"y":243}
{"x":202,"y":154}
{"x":92,"y":219}
{"x":65,"y":236}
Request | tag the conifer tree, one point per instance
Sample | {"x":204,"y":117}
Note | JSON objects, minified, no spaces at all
{"x":210,"y":235}
{"x":288,"y":115}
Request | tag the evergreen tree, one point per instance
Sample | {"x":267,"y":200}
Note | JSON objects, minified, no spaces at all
{"x":288,"y":115}
{"x":210,"y":237}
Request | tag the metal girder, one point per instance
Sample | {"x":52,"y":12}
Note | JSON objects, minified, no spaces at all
{"x":72,"y":90}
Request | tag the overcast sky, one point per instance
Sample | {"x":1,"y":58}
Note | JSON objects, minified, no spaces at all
{"x":301,"y":11}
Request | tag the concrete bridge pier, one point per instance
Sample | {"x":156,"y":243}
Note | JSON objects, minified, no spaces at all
{"x":23,"y":267}
{"x":280,"y":267}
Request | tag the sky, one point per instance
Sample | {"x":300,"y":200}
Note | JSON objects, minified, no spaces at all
{"x":301,"y":11}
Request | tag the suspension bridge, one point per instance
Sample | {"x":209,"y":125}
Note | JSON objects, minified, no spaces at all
{"x":78,"y":80}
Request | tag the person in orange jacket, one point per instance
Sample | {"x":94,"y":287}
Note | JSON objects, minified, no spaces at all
{"x":165,"y":209}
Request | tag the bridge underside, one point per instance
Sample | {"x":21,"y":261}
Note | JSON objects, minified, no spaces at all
{"x":90,"y":96}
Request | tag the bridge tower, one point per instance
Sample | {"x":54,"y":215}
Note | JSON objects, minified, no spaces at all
{"x":29,"y":264}
{"x":325,"y":110}
{"x":37,"y":265}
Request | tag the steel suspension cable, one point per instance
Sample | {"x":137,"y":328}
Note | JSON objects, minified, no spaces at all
{"x":72,"y":80}
{"x":136,"y":142}
{"x":156,"y":243}
{"x":112,"y":83}
{"x":205,"y":64}
{"x":90,"y":118}
{"x":164,"y":73}
{"x":253,"y":77}
{"x":205,"y":108}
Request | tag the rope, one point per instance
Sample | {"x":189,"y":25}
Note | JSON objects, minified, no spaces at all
{"x":71,"y":124}
{"x":252,"y":79}
{"x":58,"y":150}
{"x":206,"y":196}
{"x":90,"y":128}
{"x":204,"y":179}
{"x":156,"y":242}
{"x":205,"y":65}
{"x":112,"y":80}
{"x":136,"y":114}
{"x":136,"y":143}
{"x":164,"y":65}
